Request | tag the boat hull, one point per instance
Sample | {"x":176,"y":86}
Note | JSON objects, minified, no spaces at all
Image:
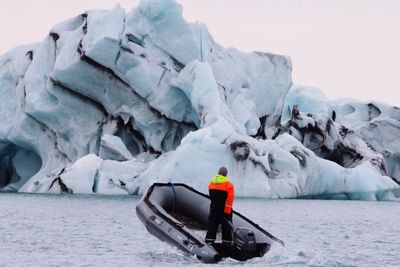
{"x":177,"y":213}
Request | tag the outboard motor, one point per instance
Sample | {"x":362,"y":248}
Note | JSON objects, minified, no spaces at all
{"x":245,"y":243}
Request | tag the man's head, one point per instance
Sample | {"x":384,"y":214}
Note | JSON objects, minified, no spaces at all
{"x":223,"y":171}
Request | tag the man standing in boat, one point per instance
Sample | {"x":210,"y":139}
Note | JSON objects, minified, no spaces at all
{"x":221,"y":192}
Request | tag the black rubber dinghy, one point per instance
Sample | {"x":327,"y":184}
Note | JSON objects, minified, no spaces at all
{"x":178,"y":214}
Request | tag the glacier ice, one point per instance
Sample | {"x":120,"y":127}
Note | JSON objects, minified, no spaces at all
{"x":112,"y":147}
{"x":349,"y":132}
{"x":110,"y":102}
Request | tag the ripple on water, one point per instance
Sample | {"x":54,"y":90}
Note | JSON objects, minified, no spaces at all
{"x":54,"y":230}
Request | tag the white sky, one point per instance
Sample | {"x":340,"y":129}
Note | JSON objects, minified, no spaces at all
{"x":348,"y":48}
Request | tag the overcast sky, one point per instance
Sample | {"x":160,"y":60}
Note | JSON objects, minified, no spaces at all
{"x":348,"y":48}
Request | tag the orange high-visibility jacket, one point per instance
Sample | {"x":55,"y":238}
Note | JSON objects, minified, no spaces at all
{"x":220,"y":182}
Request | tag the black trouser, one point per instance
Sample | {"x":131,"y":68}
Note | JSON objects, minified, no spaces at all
{"x":214,"y":221}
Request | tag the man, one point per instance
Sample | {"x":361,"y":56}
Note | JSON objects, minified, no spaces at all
{"x":221,"y":192}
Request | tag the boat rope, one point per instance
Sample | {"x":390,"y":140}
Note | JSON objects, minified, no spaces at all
{"x":173,"y":190}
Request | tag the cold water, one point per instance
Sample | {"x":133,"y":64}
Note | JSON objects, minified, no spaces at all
{"x":65,"y":230}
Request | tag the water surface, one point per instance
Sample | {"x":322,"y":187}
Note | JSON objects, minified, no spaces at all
{"x":65,"y":230}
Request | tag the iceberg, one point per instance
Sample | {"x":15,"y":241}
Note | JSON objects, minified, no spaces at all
{"x":346,"y":131}
{"x":112,"y":147}
{"x":113,"y":101}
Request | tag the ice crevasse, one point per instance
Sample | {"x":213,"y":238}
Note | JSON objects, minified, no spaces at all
{"x":110,"y":102}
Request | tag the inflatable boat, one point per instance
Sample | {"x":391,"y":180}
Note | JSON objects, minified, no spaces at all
{"x":178,"y":214}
